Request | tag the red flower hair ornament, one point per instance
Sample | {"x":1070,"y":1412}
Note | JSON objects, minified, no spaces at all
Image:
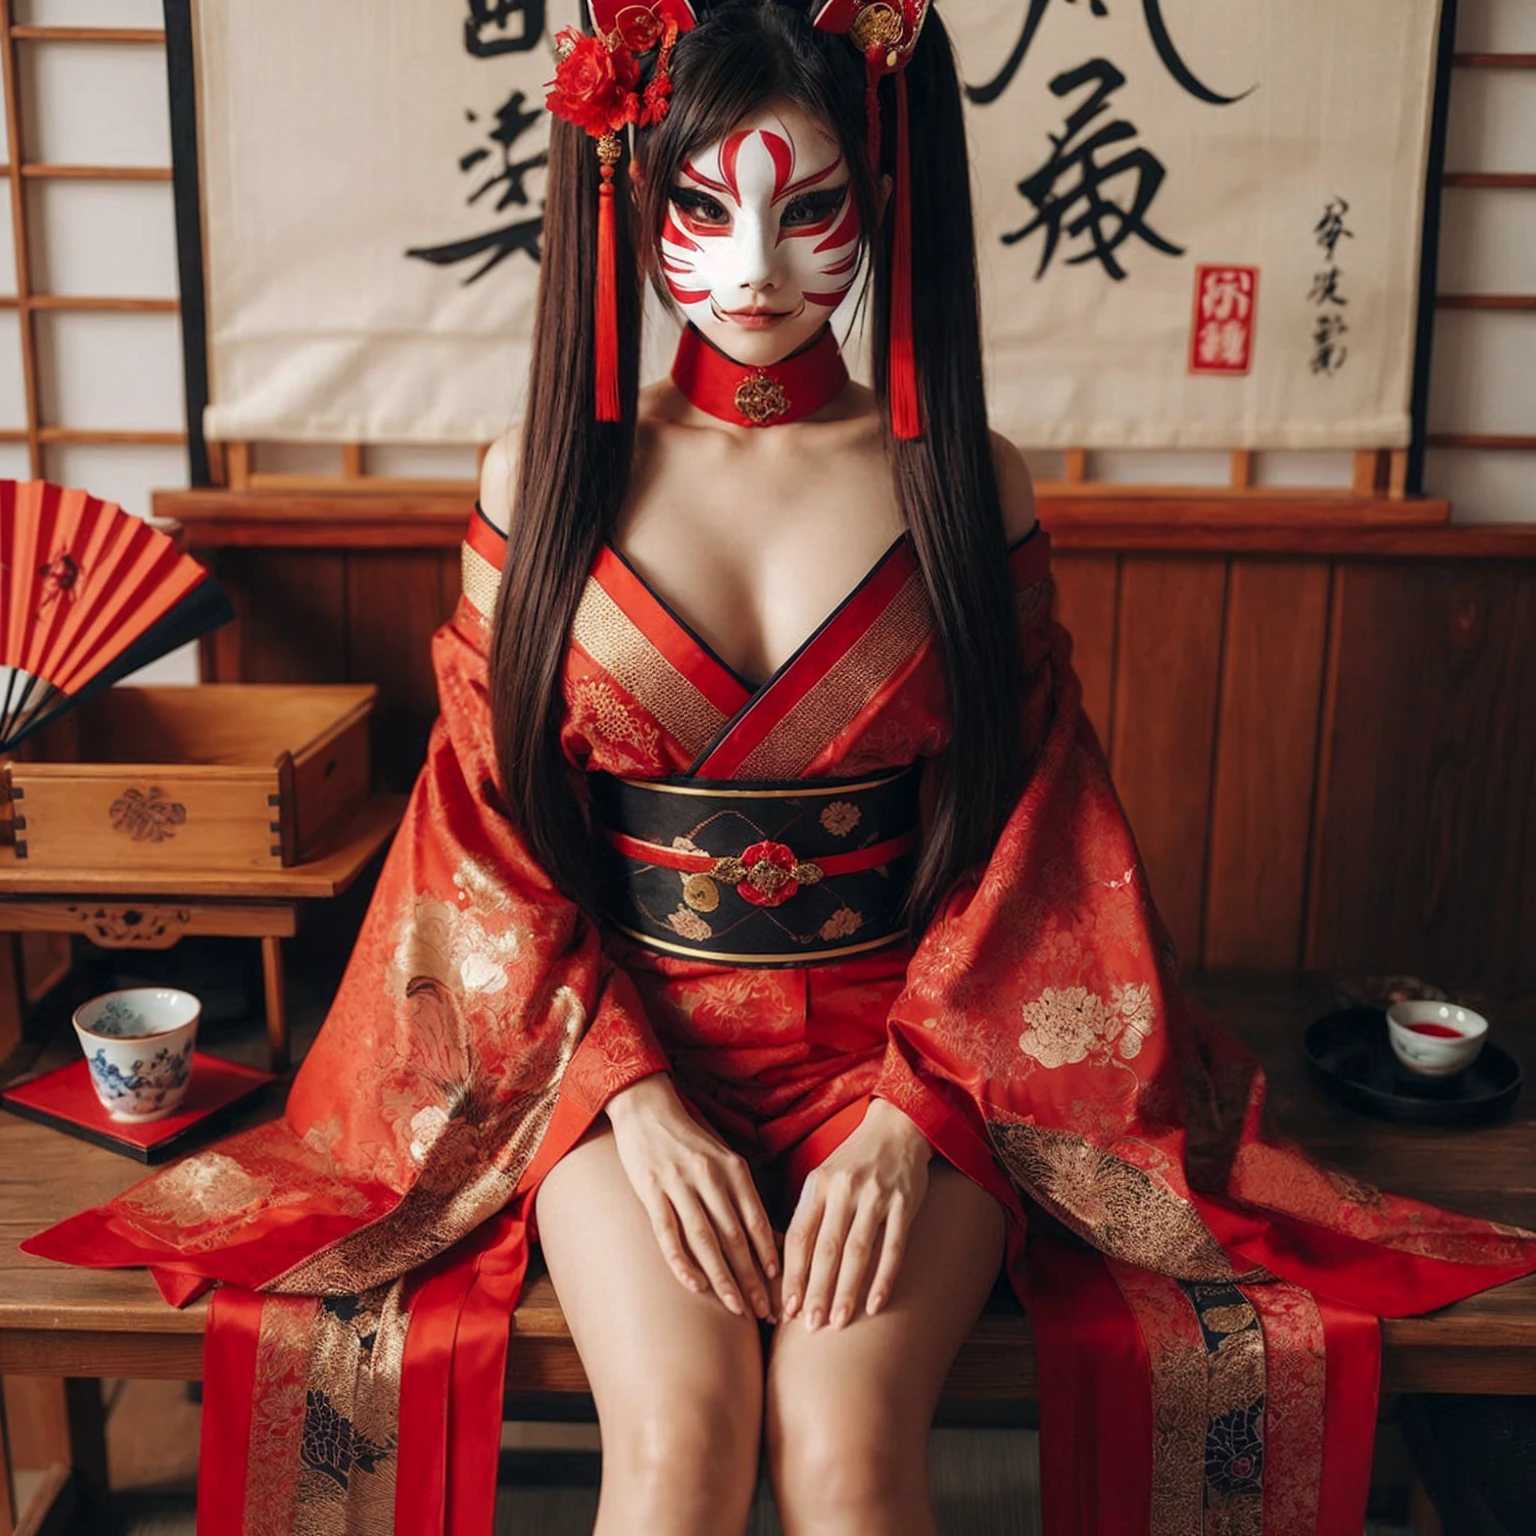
{"x":598,"y":87}
{"x":594,"y":86}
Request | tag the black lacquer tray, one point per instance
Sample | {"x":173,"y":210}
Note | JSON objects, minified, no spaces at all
{"x":1350,"y":1057}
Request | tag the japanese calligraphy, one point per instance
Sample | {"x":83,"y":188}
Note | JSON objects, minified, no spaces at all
{"x":1157,"y":28}
{"x":1329,"y":326}
{"x":487,"y":30}
{"x":489,"y":33}
{"x":1085,"y":208}
{"x":1073,"y":192}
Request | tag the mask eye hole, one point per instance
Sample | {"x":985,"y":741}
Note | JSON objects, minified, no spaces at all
{"x":699,"y":207}
{"x":813,"y":207}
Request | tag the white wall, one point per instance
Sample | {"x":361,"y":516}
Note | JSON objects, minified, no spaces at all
{"x":107,"y":104}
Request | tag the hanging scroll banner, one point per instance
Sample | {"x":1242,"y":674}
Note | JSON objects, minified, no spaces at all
{"x":372,"y":182}
{"x":1198,"y":222}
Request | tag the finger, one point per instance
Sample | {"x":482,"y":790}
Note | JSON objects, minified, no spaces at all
{"x":892,"y":1250}
{"x":718,"y":1200}
{"x":858,"y":1250}
{"x":760,"y":1229}
{"x":705,"y":1244}
{"x":669,"y":1236}
{"x":798,"y":1240}
{"x":827,"y":1254}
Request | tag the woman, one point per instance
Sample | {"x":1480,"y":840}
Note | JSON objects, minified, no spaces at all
{"x":764,"y":872}
{"x":756,"y":193}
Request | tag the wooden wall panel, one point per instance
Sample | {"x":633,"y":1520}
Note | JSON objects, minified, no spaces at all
{"x":1427,"y":830}
{"x":292,"y":607}
{"x":395,"y":603}
{"x":1170,"y":626}
{"x":1266,"y":758}
{"x":13,"y":1003}
{"x":1086,"y":587}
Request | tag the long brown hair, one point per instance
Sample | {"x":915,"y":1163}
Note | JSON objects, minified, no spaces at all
{"x":574,"y":470}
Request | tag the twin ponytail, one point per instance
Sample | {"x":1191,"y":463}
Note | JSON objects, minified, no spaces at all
{"x":945,"y":480}
{"x":572,"y":478}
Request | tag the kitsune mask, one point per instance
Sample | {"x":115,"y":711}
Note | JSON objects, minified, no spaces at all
{"x":762,"y":235}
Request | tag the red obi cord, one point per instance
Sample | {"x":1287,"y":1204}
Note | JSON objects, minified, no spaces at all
{"x":766,"y":873}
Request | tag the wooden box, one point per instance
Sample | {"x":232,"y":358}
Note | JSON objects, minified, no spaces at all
{"x":219,"y":776}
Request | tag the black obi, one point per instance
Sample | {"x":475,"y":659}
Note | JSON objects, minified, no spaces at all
{"x":757,"y":872}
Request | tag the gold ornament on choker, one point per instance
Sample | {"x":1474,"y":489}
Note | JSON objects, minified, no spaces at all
{"x":760,"y":398}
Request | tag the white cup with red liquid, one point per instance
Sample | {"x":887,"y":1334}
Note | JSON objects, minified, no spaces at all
{"x":1435,"y":1039}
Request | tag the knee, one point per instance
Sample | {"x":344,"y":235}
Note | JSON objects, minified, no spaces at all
{"x":681,"y":1463}
{"x":836,"y":1471}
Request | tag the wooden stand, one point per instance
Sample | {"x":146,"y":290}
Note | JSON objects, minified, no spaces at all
{"x":121,"y":909}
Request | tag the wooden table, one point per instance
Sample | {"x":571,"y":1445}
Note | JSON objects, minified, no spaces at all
{"x":120,"y":909}
{"x":59,"y":1321}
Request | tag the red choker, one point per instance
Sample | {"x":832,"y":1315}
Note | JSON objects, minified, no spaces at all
{"x":795,"y":387}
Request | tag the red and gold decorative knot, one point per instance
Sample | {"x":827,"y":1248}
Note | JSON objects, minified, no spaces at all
{"x":884,"y":31}
{"x":761,"y":398}
{"x":766,"y":874}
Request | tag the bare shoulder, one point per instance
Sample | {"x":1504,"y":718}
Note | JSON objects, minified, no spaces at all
{"x":498,"y":474}
{"x":1015,"y":489}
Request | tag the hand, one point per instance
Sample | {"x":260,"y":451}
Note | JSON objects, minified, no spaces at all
{"x":692,"y":1184}
{"x":878,"y":1175}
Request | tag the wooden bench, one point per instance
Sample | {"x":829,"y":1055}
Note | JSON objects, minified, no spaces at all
{"x":61,"y":1326}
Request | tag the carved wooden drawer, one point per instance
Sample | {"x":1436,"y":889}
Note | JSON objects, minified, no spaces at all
{"x":218,"y":776}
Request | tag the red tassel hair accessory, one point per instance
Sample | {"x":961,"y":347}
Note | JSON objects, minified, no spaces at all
{"x":886,"y":33}
{"x":603,"y":83}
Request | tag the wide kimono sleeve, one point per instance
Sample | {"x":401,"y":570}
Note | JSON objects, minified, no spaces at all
{"x":1042,"y":1025}
{"x":478,"y":1009}
{"x":1203,"y":1293}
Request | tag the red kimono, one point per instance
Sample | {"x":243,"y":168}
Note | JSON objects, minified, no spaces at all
{"x":1204,"y":1299}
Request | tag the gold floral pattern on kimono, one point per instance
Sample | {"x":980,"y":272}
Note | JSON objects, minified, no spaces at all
{"x":1122,"y":1209}
{"x":630,"y":737}
{"x":465,"y":1084}
{"x":689,"y":924}
{"x":1065,"y":1025}
{"x":198,"y":1201}
{"x":843,"y":922}
{"x":207,"y":1187}
{"x":327,"y":1396}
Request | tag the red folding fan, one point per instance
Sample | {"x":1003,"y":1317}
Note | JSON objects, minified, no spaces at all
{"x":88,"y":594}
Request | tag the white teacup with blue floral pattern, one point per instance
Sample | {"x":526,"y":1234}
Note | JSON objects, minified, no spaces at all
{"x":139,"y":1044}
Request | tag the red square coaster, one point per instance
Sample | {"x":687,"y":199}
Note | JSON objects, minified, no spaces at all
{"x":65,"y":1098}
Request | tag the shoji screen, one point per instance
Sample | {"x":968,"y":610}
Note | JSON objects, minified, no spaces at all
{"x":90,"y":340}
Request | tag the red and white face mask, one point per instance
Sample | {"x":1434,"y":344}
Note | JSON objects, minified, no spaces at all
{"x":761,"y":239}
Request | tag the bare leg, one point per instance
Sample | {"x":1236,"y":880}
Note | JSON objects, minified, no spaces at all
{"x":678,"y":1380}
{"x":849,"y":1410}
